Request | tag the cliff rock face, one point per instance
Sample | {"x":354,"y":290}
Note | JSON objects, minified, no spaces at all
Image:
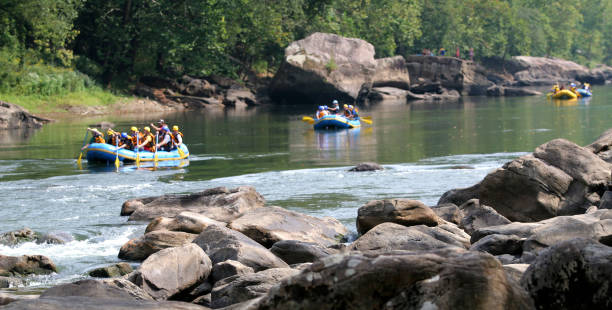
{"x":452,"y":73}
{"x":529,"y":70}
{"x":323,"y":67}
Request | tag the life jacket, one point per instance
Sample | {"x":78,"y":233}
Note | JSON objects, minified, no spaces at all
{"x":135,"y":139}
{"x":347,"y":113}
{"x":99,"y":139}
{"x":174,"y":137}
{"x":355,"y":112}
{"x":321,"y":113}
{"x":149,"y":146}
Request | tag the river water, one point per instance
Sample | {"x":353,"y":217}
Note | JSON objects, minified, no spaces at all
{"x":426,"y":149}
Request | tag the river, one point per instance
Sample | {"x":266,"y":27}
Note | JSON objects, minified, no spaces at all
{"x":426,"y":149}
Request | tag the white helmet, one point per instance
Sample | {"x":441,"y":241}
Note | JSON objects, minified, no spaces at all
{"x":335,"y":101}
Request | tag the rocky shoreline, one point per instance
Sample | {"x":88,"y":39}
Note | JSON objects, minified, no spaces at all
{"x":533,"y":234}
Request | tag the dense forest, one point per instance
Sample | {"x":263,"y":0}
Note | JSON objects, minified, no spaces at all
{"x":68,"y":44}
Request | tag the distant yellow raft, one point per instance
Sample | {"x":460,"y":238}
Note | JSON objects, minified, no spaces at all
{"x":564,"y":94}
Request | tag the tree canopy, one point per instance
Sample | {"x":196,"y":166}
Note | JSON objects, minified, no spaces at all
{"x":122,"y":40}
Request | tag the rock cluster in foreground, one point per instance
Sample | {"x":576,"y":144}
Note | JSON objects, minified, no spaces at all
{"x":470,"y":255}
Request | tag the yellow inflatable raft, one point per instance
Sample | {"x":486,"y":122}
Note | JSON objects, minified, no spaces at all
{"x":564,"y":94}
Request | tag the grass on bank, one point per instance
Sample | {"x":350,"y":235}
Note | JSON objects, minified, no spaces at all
{"x":41,"y":88}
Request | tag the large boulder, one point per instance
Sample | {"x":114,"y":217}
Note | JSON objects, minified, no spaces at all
{"x":559,"y":178}
{"x":400,"y":211}
{"x":325,"y":66}
{"x":112,"y":271}
{"x":478,"y":216}
{"x":388,"y":237}
{"x":297,"y":252}
{"x":149,"y":243}
{"x":240,"y":288}
{"x":95,"y":289}
{"x":25,"y":265}
{"x":81,"y":302}
{"x":220,"y":204}
{"x":448,"y":212}
{"x":188,"y":222}
{"x":574,"y":274}
{"x":25,"y":234}
{"x":269,"y":225}
{"x":451,"y":73}
{"x":535,"y":237}
{"x":170,"y":271}
{"x":434,"y":280}
{"x":221,"y":244}
{"x":13,"y":116}
{"x":227,"y":269}
{"x":533,"y":71}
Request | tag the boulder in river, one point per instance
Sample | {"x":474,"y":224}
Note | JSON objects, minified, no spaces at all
{"x":559,"y":178}
{"x":112,"y":271}
{"x":227,"y":269}
{"x":25,"y":265}
{"x":6,"y":282}
{"x":388,"y":237}
{"x":400,"y":211}
{"x":149,"y":243}
{"x":574,"y":274}
{"x":13,"y":116}
{"x":170,"y":271}
{"x":240,"y":288}
{"x":94,"y":289}
{"x":479,"y":216}
{"x":221,"y":244}
{"x":296,"y":252}
{"x":188,"y":222}
{"x":324,"y":66}
{"x":450,"y":73}
{"x":367,"y":166}
{"x":220,"y":204}
{"x":81,"y":302}
{"x":18,"y":236}
{"x":268,"y":225}
{"x":441,"y":279}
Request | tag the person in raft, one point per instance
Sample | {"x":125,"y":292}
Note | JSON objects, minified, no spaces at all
{"x":335,"y":109}
{"x":347,"y":111}
{"x":321,"y":112}
{"x":161,"y":124}
{"x":354,"y":112}
{"x":147,"y":142}
{"x":135,"y":137}
{"x":176,"y":136}
{"x":166,"y":141}
{"x":98,"y":137}
{"x":112,"y":137}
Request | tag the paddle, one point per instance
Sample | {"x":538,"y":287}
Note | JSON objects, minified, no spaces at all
{"x":156,"y":142}
{"x":137,"y":151}
{"x":117,"y":154}
{"x":81,"y":154}
{"x":308,"y":119}
{"x":366,"y":120}
{"x":180,"y":151}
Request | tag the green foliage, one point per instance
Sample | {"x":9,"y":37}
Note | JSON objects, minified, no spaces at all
{"x":331,"y":65}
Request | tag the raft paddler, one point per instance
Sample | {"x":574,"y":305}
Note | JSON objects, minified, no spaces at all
{"x":347,"y":111}
{"x":161,"y":124}
{"x":335,"y":108}
{"x":176,"y":136}
{"x":147,"y":142}
{"x":321,"y":112}
{"x":111,"y":137}
{"x":166,"y":141}
{"x":135,"y":137}
{"x":97,"y":137}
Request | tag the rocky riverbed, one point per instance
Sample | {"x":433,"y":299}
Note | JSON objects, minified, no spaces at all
{"x":534,"y":233}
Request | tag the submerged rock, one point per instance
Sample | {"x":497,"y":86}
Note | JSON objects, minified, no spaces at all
{"x":219,"y":204}
{"x":367,"y":167}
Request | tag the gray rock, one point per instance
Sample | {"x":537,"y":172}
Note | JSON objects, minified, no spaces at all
{"x":188,"y":222}
{"x":7,"y":282}
{"x":324,"y":66}
{"x":296,"y":252}
{"x":426,"y":280}
{"x":448,"y":212}
{"x":574,"y":274}
{"x":227,"y":269}
{"x":25,"y":265}
{"x":112,"y":271}
{"x":479,"y":216}
{"x":244,"y":287}
{"x":499,"y":244}
{"x":13,"y":116}
{"x":515,"y":271}
{"x":221,"y":244}
{"x":89,"y":288}
{"x":18,"y":236}
{"x":80,"y":303}
{"x":170,"y":271}
{"x":269,"y":225}
{"x":367,"y":167}
{"x":400,"y":211}
{"x":219,"y":204}
{"x":143,"y":246}
{"x":388,"y":237}
{"x":606,"y":200}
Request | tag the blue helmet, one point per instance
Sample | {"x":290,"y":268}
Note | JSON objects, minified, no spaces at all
{"x":350,"y":107}
{"x":326,"y":107}
{"x":124,"y":135}
{"x":321,"y":108}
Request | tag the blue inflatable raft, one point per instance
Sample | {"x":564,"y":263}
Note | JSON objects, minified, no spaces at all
{"x":102,"y":152}
{"x":336,"y":122}
{"x":584,"y":93}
